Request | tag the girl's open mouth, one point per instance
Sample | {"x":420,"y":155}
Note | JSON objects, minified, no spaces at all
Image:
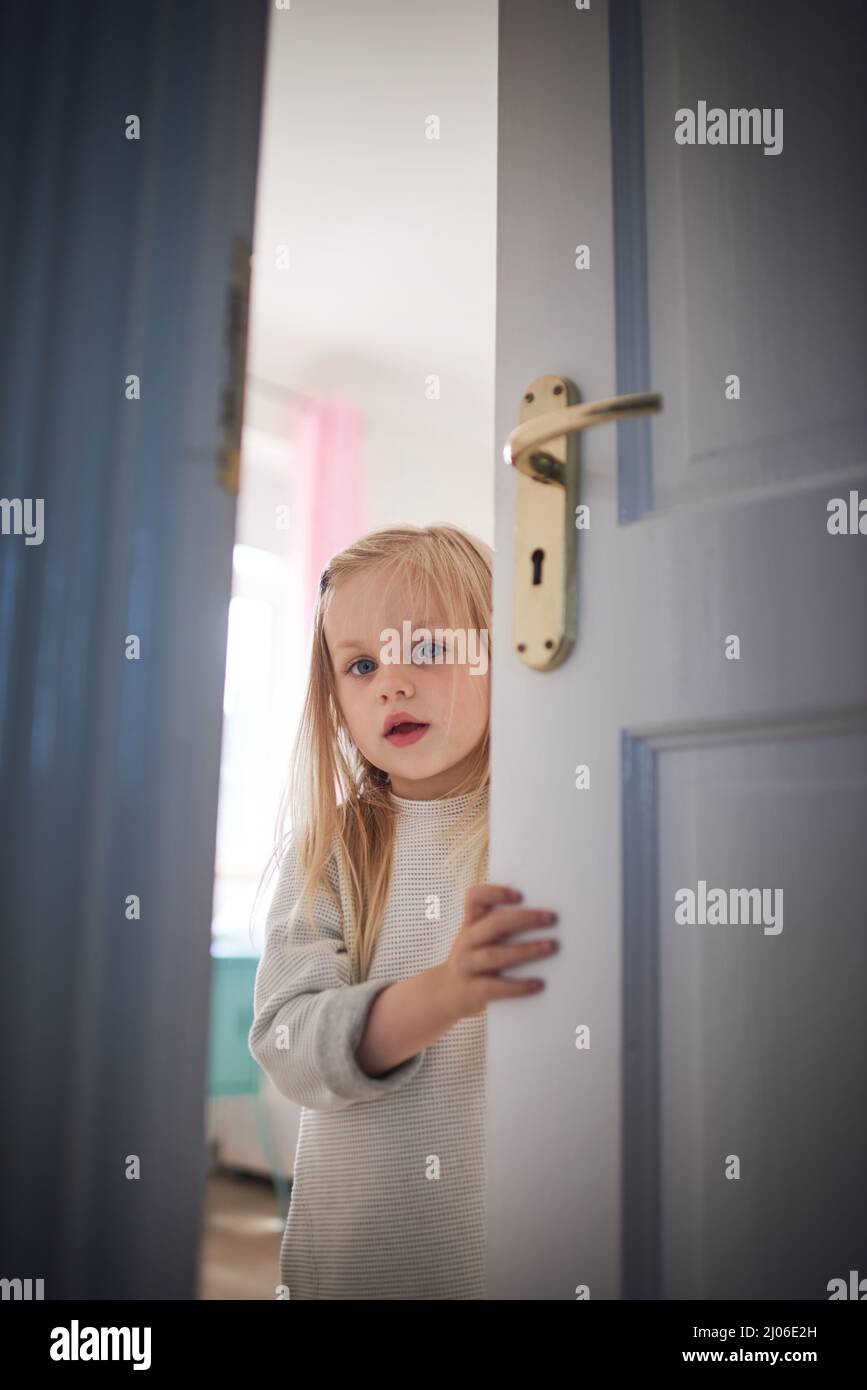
{"x":403,"y":734}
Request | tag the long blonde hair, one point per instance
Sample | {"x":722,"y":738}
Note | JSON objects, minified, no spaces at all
{"x":439,"y":562}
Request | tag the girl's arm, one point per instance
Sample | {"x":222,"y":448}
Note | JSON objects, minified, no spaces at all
{"x":308,"y":1019}
{"x":413,"y":1013}
{"x":403,"y":1020}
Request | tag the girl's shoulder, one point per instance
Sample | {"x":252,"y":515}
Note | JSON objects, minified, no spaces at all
{"x":296,"y":866}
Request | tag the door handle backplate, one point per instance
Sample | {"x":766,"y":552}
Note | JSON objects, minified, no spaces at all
{"x":544,"y":449}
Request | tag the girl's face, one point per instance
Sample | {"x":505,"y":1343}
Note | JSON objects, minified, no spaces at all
{"x":376,"y":678}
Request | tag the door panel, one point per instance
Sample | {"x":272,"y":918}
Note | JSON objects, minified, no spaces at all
{"x":753,"y":259}
{"x":761,"y":1023}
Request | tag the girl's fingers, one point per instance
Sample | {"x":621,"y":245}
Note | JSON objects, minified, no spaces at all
{"x":509,"y":919}
{"x":483,"y":896}
{"x":512,"y":989}
{"x":488,"y":960}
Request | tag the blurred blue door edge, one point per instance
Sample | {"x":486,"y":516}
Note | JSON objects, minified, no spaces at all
{"x":116,"y":262}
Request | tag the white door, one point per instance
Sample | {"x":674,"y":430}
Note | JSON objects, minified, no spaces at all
{"x":681,"y":1112}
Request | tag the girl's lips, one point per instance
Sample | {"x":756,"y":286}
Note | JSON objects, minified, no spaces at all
{"x":401,"y":740}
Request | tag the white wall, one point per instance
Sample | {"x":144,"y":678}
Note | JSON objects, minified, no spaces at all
{"x":391,"y":278}
{"x":392,"y":242}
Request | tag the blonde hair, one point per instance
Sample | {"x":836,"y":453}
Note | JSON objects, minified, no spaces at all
{"x":438,"y":563}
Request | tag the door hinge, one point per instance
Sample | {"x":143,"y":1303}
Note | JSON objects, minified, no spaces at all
{"x":236,"y":320}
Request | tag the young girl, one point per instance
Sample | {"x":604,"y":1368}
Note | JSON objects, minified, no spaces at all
{"x":382,"y":946}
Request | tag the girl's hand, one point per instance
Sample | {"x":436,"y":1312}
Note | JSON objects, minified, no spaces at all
{"x":468,"y":980}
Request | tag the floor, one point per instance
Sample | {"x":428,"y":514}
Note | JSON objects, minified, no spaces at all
{"x":241,"y":1240}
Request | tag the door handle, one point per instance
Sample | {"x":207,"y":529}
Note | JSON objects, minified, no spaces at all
{"x":544,"y":449}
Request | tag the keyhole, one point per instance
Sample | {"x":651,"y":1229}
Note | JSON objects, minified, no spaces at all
{"x":537,"y":558}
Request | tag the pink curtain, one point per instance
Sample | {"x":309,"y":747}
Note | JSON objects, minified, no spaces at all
{"x":327,"y":436}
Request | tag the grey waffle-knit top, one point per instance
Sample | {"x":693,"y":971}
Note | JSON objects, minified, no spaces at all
{"x":388,"y":1197}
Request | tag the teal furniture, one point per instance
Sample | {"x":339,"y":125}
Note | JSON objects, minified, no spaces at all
{"x":233,"y":1070}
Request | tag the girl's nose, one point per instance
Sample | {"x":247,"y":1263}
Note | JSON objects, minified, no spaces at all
{"x":395,"y":682}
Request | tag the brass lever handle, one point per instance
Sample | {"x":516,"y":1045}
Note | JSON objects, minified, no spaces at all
{"x":527,"y":438}
{"x":543,"y":448}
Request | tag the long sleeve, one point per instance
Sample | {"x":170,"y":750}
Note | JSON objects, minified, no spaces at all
{"x":308,"y":1020}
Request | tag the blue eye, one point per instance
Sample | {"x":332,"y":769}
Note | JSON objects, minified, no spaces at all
{"x":426,"y":660}
{"x":355,"y":663}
